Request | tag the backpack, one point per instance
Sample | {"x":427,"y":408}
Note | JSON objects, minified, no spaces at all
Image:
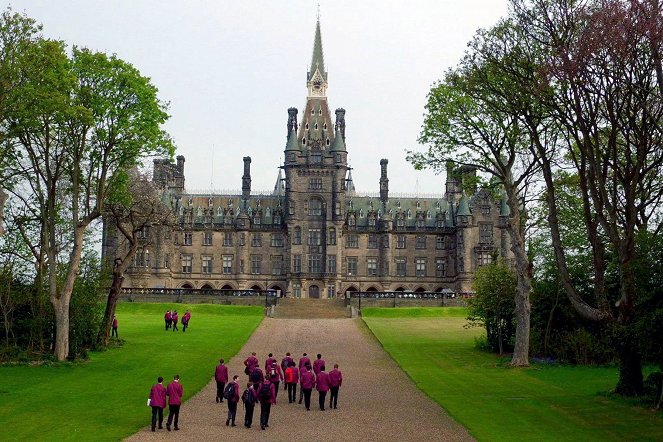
{"x":229,"y":391}
{"x":289,"y":376}
{"x":272,"y":374}
{"x":248,"y":398}
{"x":254,"y":376}
{"x":265,"y":393}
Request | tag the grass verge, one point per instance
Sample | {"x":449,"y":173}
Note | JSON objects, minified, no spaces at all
{"x":494,"y":402}
{"x":105,"y":397}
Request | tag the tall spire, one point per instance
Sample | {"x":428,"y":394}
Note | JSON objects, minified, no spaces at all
{"x":318,"y":59}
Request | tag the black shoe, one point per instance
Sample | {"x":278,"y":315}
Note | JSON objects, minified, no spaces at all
{"x":160,"y":427}
{"x":267,"y":425}
{"x":177,"y":428}
{"x":334,"y":407}
{"x":153,"y":429}
{"x":308,"y":409}
{"x":233,"y":425}
{"x":227,"y":422}
{"x":167,"y":427}
{"x":217,"y":400}
{"x":262,"y":427}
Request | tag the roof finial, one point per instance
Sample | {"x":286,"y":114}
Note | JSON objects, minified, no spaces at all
{"x":318,"y":11}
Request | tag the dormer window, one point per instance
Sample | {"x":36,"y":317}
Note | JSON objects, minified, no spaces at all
{"x":409,"y":214}
{"x":327,"y":141}
{"x":304,"y":141}
{"x":361,"y":213}
{"x":312,"y":113}
{"x":320,"y":110}
{"x":306,"y":126}
{"x":210,"y":202}
{"x":418,"y":205}
{"x":325,"y":126}
{"x":316,"y":126}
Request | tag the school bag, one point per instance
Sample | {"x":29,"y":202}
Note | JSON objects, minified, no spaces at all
{"x":265,"y":393}
{"x":229,"y":391}
{"x":254,"y":376}
{"x":248,"y":398}
{"x":289,"y":376}
{"x":273,"y":375}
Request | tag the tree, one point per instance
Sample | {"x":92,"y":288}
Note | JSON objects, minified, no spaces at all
{"x":76,"y":124}
{"x":469,"y":121}
{"x":138,"y":218}
{"x":493,"y":305}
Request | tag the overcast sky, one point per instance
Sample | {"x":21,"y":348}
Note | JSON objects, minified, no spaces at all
{"x":231,"y":69}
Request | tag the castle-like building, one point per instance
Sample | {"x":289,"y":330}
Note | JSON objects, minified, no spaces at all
{"x":314,"y":235}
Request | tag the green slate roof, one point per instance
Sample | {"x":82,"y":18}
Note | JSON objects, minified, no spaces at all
{"x":318,"y":60}
{"x":338,"y":145}
{"x":293,"y":142}
{"x":463,"y":207}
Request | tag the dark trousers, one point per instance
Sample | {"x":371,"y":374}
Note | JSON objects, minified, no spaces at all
{"x":173,"y":411}
{"x":301,"y":395}
{"x":307,"y":397}
{"x":276,"y":389}
{"x":232,"y":411}
{"x":157,"y":411}
{"x":292,"y":392}
{"x":248,"y":415}
{"x":334,"y":396}
{"x":265,"y":408}
{"x":219,"y":391}
{"x":184,"y":326}
{"x":175,"y":326}
{"x":168,"y":324}
{"x":114,"y":332}
{"x":321,"y":397}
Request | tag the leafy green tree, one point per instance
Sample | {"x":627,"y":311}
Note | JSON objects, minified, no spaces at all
{"x":493,"y":305}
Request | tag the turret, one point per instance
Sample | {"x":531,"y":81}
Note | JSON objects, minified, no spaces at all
{"x":246,"y":180}
{"x":384,"y":183}
{"x":292,"y":121}
{"x":340,"y":121}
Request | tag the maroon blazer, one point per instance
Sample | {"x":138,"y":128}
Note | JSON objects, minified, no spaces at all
{"x":303,"y":361}
{"x":307,"y":379}
{"x":251,"y":362}
{"x":279,"y":373}
{"x":268,"y":363}
{"x":168,"y":316}
{"x":185,"y":318}
{"x":285,"y":363}
{"x":272,"y":391}
{"x":322,"y":381}
{"x":335,"y":378}
{"x":317,"y":364}
{"x":235,"y":398}
{"x":262,"y":376}
{"x":175,"y":318}
{"x":115,"y":323}
{"x":158,"y":396}
{"x":175,"y":392}
{"x":221,"y":373}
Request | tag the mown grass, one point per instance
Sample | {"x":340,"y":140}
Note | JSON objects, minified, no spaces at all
{"x":495,"y":402}
{"x":105,"y":397}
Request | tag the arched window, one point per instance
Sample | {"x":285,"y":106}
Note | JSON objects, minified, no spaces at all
{"x":297,"y":235}
{"x":315,"y":207}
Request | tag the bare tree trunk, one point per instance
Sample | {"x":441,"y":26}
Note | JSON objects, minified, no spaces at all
{"x":111,"y":303}
{"x":61,"y":310}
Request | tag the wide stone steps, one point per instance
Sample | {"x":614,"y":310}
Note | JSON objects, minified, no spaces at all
{"x":291,"y":308}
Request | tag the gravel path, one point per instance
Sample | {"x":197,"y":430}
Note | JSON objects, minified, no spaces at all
{"x":376,"y":402}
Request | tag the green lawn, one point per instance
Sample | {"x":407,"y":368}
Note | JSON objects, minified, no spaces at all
{"x":105,"y":398}
{"x":494,"y":402}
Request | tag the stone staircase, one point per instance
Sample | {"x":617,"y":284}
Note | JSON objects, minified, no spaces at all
{"x":292,"y":308}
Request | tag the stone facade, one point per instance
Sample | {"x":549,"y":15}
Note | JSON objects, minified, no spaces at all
{"x":314,"y":235}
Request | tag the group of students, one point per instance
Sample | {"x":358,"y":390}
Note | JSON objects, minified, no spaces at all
{"x":263,"y":387}
{"x":157,"y":400}
{"x":171,"y":319}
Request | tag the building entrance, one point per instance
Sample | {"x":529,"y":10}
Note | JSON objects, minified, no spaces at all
{"x":314,"y":292}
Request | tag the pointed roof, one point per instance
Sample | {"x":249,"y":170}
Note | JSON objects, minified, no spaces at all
{"x":279,"y":190}
{"x":293,"y":142}
{"x":350,"y":186}
{"x":463,"y":206}
{"x":338,"y":145}
{"x":318,"y":60}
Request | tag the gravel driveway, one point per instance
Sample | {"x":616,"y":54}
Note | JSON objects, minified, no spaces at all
{"x":377,"y":401}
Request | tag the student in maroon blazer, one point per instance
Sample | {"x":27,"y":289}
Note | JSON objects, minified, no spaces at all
{"x":175,"y":392}
{"x":319,"y":362}
{"x":275,"y":376}
{"x":285,"y":363}
{"x":232,"y":403}
{"x":221,"y":377}
{"x":269,"y":361}
{"x":249,"y":405}
{"x":291,"y":380}
{"x":157,"y":402}
{"x":307,"y":382}
{"x":266,"y":402}
{"x":174,"y":315}
{"x":335,"y":381}
{"x":322,"y":385}
{"x":114,"y":331}
{"x":250,"y":363}
{"x":303,"y":361}
{"x":256,"y":377}
{"x":168,"y":317}
{"x":185,"y":320}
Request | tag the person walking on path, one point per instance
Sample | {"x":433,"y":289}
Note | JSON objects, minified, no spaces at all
{"x":335,"y":381}
{"x":233,"y":398}
{"x":185,"y":320}
{"x":250,"y":363}
{"x":303,"y":361}
{"x":174,"y":316}
{"x":157,"y":401}
{"x":307,"y":382}
{"x":322,"y":385}
{"x":319,"y":362}
{"x":267,"y":398}
{"x":249,"y":397}
{"x":256,"y":377}
{"x":268,"y":362}
{"x":285,"y":363}
{"x":275,"y":376}
{"x":175,"y":392}
{"x":291,"y":380}
{"x":221,"y":377}
{"x":114,"y":330}
{"x":168,"y":317}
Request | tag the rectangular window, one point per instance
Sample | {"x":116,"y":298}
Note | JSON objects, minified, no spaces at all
{"x":315,"y":184}
{"x":460,"y":238}
{"x":485,"y":210}
{"x":401,"y":267}
{"x":277,"y":265}
{"x":331,"y":263}
{"x":420,"y":267}
{"x":227,"y":264}
{"x":297,"y":236}
{"x":484,"y":258}
{"x":227,"y":239}
{"x":372,"y":266}
{"x":242,"y":239}
{"x":352,"y":241}
{"x":297,"y":290}
{"x":421,"y":242}
{"x":314,"y":263}
{"x":166,"y":261}
{"x":486,"y":233}
{"x":352,"y":266}
{"x":372,"y":241}
{"x":207,"y":238}
{"x":241,"y":266}
{"x":400,"y":242}
{"x":256,"y":240}
{"x":187,"y":263}
{"x":332,"y":237}
{"x":291,"y":207}
{"x":207,"y":264}
{"x":315,"y":207}
{"x":314,"y":237}
{"x":296,"y":263}
{"x":440,"y":267}
{"x":385,"y":241}
{"x":256,"y":264}
{"x":316,"y":158}
{"x":277,"y":240}
{"x":439,"y":242}
{"x":385,"y":268}
{"x":188,"y":238}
